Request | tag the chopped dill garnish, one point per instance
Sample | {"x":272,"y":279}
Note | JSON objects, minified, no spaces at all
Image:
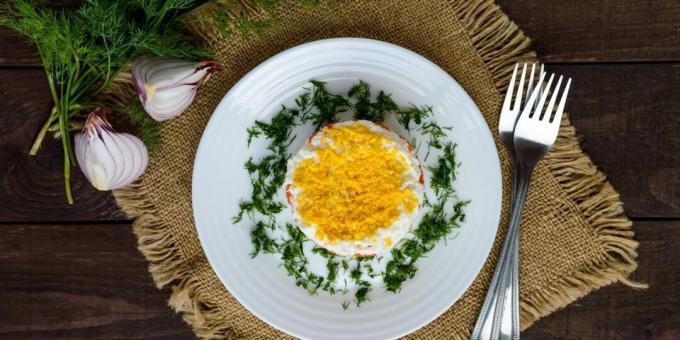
{"x":327,"y":105}
{"x":435,"y":225}
{"x":279,"y":130}
{"x":362,"y":294}
{"x":266,"y":176}
{"x":329,"y":284}
{"x":413,"y":114}
{"x":323,"y":252}
{"x":356,"y":274}
{"x":318,"y":107}
{"x":295,"y":261}
{"x":362,"y":92}
{"x":435,"y":134}
{"x":261,"y":241}
{"x":444,"y":172}
{"x":364,"y":108}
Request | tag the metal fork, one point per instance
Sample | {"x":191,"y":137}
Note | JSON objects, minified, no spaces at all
{"x":527,"y":136}
{"x":498,"y":302}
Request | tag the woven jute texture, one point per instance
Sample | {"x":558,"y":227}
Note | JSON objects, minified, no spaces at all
{"x":574,"y":238}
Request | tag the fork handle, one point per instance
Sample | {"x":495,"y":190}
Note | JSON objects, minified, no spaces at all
{"x":506,"y":315}
{"x":504,"y":282}
{"x":506,"y":324}
{"x":511,"y":303}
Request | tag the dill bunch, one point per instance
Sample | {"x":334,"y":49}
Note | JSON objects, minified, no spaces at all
{"x":83,"y":50}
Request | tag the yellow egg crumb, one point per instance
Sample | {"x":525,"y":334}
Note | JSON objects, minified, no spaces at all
{"x":354,"y":185}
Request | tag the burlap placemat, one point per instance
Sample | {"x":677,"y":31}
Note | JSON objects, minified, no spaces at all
{"x":575,"y":237}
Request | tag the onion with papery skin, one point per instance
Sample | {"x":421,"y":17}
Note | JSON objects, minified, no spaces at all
{"x":167,"y":86}
{"x":109,"y":159}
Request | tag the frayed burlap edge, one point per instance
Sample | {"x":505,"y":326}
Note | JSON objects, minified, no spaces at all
{"x":167,"y":266}
{"x":500,"y":44}
{"x":603,"y":210}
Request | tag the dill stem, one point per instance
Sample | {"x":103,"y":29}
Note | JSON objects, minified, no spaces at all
{"x":110,"y":77}
{"x":60,"y":110}
{"x":53,"y":115}
{"x":66,"y":134}
{"x":68,"y":149}
{"x":43,"y":131}
{"x":67,"y":163}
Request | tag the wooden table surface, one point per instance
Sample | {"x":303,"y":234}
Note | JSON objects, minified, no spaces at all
{"x":74,"y":271}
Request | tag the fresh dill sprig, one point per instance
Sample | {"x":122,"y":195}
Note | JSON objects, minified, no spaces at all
{"x":327,"y":105}
{"x":266,"y":176}
{"x":295,"y":262}
{"x":444,"y":171}
{"x":398,"y":270}
{"x":435,"y":134}
{"x":413,"y":114}
{"x":279,"y":130}
{"x":356,"y":274}
{"x":366,"y":109}
{"x":333,"y":267}
{"x":361,"y":294}
{"x":261,"y":241}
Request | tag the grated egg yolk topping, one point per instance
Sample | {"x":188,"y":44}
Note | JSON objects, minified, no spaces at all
{"x":355,"y":184}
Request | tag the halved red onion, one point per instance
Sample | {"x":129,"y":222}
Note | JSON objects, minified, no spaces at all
{"x":109,"y":159}
{"x":167,"y":86}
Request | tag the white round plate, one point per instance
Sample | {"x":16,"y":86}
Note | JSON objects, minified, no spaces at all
{"x":220,"y":182}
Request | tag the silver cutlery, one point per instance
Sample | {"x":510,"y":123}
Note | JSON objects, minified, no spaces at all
{"x":527,"y":131}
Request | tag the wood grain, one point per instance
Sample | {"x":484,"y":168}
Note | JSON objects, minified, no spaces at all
{"x":563,"y":31}
{"x":32,"y":188}
{"x":88,"y":280}
{"x":75,"y":281}
{"x":16,"y":50}
{"x":628,"y":118}
{"x":619,"y":312}
{"x":597,"y":31}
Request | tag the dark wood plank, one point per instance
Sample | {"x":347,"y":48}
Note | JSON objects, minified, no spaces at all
{"x":628,"y":116}
{"x":89,"y":281}
{"x":80,"y":281}
{"x":16,"y":49}
{"x":588,"y":31}
{"x":31,"y":188}
{"x":563,"y":31}
{"x":619,"y":312}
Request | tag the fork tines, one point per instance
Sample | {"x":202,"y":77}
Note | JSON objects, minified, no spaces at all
{"x":538,"y":90}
